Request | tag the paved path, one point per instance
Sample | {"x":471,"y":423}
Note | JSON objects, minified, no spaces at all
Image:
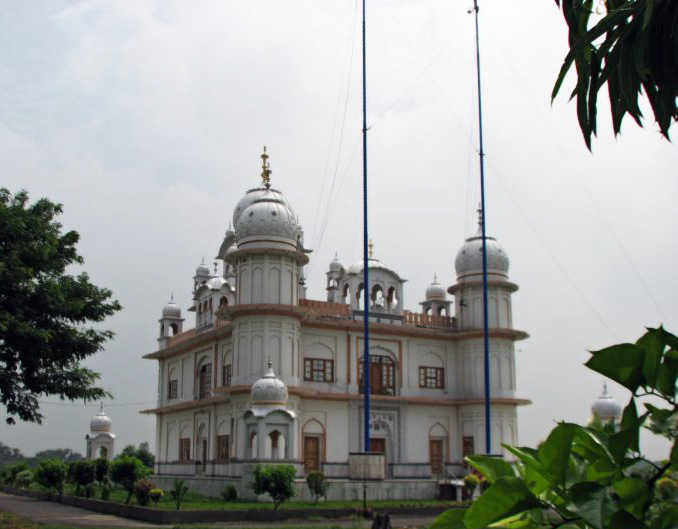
{"x":51,"y":513}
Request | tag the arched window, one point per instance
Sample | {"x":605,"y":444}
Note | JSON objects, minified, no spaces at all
{"x":205,"y":381}
{"x":175,"y":329}
{"x":223,"y":302}
{"x":392,"y":298}
{"x":382,"y":375}
{"x":346,"y":295}
{"x":359,"y":295}
{"x":377,"y":300}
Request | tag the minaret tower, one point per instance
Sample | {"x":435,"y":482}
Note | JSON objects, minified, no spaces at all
{"x":171,"y":322}
{"x":267,"y":261}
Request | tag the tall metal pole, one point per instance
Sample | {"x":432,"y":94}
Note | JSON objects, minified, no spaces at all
{"x":366,"y":275}
{"x":483,"y":223}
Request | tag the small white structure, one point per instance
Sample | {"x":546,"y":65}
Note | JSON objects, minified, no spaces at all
{"x":270,"y":427}
{"x":606,"y":408}
{"x":101,"y":439}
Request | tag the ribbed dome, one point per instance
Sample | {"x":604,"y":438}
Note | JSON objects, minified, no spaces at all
{"x":269,"y":389}
{"x":256,"y":194}
{"x":202,"y":270}
{"x":216,"y":283}
{"x":335,"y":265}
{"x":470,"y":257}
{"x":266,"y":217}
{"x":171,"y":310}
{"x":100,"y":422}
{"x":606,"y":408}
{"x":435,"y":291}
{"x":372,"y":264}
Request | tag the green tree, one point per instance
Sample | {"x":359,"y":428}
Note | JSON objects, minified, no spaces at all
{"x":65,"y":454}
{"x":143,"y":453}
{"x":45,"y":312}
{"x":102,"y":469}
{"x":317,"y":484}
{"x":275,"y":480}
{"x":631,"y":49}
{"x":51,"y":474}
{"x":126,"y":471}
{"x":10,"y":455}
{"x":585,"y":477}
{"x":83,"y":474}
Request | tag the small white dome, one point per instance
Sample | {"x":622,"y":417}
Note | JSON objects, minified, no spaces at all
{"x":335,"y":265}
{"x":470,"y":257}
{"x":267,"y":217}
{"x":435,"y":291}
{"x":232,"y":248}
{"x":202,"y":270}
{"x":372,"y":264}
{"x":100,"y":422}
{"x":171,"y":310}
{"x":606,"y":408}
{"x":269,"y":389}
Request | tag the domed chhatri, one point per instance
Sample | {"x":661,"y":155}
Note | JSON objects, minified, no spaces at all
{"x":469,"y":259}
{"x":335,"y":265}
{"x":100,"y":422}
{"x":202,"y":269}
{"x":269,"y":389}
{"x":435,"y":290}
{"x":171,"y":310}
{"x":606,"y":408}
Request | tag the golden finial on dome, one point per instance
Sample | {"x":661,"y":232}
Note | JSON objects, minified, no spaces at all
{"x":371,"y":245}
{"x":265,"y":169}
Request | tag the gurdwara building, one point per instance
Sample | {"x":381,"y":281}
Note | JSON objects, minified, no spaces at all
{"x":267,"y":374}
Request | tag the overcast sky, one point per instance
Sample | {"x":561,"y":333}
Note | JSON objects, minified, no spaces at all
{"x":147,"y":119}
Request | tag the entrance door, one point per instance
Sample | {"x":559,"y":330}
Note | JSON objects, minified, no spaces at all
{"x":378,"y":445}
{"x":311,"y":453}
{"x":435,"y":450}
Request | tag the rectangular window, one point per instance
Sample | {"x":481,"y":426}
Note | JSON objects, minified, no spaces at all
{"x":318,"y":370}
{"x":431,"y":377}
{"x":205,"y":381}
{"x":226,"y":375}
{"x":223,"y":448}
{"x":173,"y":389}
{"x":184,"y":450}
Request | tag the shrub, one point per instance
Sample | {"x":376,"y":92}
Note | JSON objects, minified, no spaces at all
{"x":667,"y":488}
{"x":126,"y":471}
{"x":23,"y":479}
{"x":142,"y":491}
{"x":106,"y":486}
{"x":275,"y":480}
{"x":83,"y":474}
{"x":317,"y":484}
{"x":178,"y":491}
{"x":102,"y":469}
{"x":229,"y":493}
{"x":155,"y":495}
{"x":51,"y":474}
{"x":14,"y":470}
{"x":471,"y":482}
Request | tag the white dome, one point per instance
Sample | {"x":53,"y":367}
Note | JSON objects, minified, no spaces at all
{"x":254,"y":195}
{"x":100,"y":423}
{"x":232,"y":248}
{"x":269,"y":389}
{"x":335,"y":265}
{"x":267,"y":217}
{"x":171,"y":310}
{"x":606,"y":408}
{"x":202,"y":270}
{"x":470,"y":257}
{"x":435,"y":291}
{"x":372,"y":264}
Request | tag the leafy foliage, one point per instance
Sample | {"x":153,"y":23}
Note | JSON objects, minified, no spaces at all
{"x":155,"y":495}
{"x":633,"y":49}
{"x":9,"y":473}
{"x":471,"y":483}
{"x":44,"y":312}
{"x":587,"y":477}
{"x":23,"y":479}
{"x":126,"y":471}
{"x":317,"y":484}
{"x":102,"y":469}
{"x":142,"y":491}
{"x":178,"y":492}
{"x":275,"y":480}
{"x":143,"y":453}
{"x":229,"y":493}
{"x":51,"y":474}
{"x":83,"y":474}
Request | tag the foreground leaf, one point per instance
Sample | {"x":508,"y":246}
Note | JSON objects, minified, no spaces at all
{"x":450,"y":519}
{"x":505,"y":498}
{"x":492,"y":468}
{"x":622,"y":363}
